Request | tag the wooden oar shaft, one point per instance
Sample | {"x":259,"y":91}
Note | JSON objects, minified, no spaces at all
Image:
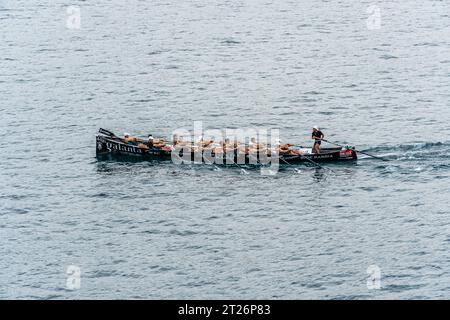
{"x":307,"y":159}
{"x":232,"y":160}
{"x":371,"y":155}
{"x":367,"y":154}
{"x":313,"y":162}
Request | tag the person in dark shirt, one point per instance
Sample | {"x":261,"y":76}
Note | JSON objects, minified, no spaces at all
{"x":317,"y":136}
{"x":150,"y":141}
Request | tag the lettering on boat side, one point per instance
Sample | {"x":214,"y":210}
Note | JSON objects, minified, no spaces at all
{"x":123,"y":147}
{"x":323,"y":156}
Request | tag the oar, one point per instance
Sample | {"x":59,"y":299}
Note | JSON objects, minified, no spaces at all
{"x":256,"y":158}
{"x":313,"y":162}
{"x":279,"y":158}
{"x":242,"y":169}
{"x":211,"y":163}
{"x":316,"y":164}
{"x":367,"y":154}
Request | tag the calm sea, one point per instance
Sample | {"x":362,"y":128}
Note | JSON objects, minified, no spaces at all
{"x":378,"y":77}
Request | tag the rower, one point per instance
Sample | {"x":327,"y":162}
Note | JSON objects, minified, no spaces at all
{"x":252,"y":144}
{"x":225,"y":144}
{"x":128,"y":139}
{"x":150,"y":141}
{"x":203,"y":143}
{"x":285,"y":149}
{"x":175,"y":140}
{"x":217,"y":148}
{"x":159,"y":143}
{"x":317,"y":136}
{"x":278,"y":147}
{"x":240,"y":149}
{"x":274,"y":148}
{"x":155,"y":143}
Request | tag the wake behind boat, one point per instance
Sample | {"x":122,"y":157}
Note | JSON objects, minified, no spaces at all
{"x":110,"y":146}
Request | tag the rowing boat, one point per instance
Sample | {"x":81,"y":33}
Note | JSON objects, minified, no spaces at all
{"x":111,"y":147}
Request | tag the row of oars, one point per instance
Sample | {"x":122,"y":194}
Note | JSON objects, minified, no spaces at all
{"x":312,"y":161}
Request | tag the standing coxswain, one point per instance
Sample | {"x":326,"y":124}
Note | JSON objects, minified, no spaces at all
{"x":317,"y":136}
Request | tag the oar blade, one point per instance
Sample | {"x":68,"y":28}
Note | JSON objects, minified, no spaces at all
{"x":367,"y":154}
{"x":371,"y":155}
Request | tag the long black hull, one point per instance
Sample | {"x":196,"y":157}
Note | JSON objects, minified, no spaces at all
{"x":113,"y":148}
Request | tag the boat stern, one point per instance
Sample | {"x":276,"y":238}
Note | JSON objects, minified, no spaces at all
{"x":348,"y":154}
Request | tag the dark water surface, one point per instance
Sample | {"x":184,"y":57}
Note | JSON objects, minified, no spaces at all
{"x":157,"y":230}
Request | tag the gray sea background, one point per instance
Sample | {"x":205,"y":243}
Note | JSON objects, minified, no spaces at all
{"x":371,"y":74}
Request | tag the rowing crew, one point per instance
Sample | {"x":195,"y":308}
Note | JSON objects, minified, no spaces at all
{"x":225,"y":146}
{"x":151,"y":142}
{"x":252,"y":147}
